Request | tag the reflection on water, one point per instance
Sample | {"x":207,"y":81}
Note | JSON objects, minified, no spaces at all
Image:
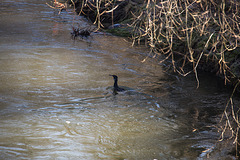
{"x":56,"y":99}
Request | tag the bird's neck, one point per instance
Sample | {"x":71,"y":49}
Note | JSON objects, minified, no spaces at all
{"x":115,"y":84}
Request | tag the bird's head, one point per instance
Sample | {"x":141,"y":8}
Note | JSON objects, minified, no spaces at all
{"x":114,"y":77}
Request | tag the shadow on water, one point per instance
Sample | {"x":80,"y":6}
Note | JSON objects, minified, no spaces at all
{"x":55,"y":103}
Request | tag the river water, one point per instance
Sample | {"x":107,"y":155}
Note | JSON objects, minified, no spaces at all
{"x":56,"y":100}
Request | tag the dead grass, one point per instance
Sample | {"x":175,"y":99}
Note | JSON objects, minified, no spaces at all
{"x":202,"y":29}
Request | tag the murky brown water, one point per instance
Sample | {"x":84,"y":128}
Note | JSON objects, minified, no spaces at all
{"x":56,"y":101}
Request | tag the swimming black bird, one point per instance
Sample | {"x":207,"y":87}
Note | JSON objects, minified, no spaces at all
{"x":116,"y":88}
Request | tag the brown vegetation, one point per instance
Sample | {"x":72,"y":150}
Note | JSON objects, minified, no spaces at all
{"x":202,"y":33}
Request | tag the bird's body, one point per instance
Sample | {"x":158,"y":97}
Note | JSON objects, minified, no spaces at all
{"x":116,"y":88}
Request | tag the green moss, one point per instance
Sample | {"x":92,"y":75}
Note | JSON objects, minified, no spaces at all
{"x":121,"y":31}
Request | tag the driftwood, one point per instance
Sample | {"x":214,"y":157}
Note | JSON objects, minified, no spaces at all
{"x":77,"y":32}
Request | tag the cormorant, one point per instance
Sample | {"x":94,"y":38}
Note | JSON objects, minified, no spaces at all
{"x":116,"y":88}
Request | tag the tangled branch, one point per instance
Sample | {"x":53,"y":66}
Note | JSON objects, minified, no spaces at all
{"x":230,"y":118}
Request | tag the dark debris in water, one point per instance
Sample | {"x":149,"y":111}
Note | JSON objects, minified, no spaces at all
{"x":77,"y":32}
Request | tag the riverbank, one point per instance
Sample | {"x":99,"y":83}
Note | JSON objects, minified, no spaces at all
{"x":192,"y":35}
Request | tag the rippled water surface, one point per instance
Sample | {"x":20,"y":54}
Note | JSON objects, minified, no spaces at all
{"x":56,"y":100}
